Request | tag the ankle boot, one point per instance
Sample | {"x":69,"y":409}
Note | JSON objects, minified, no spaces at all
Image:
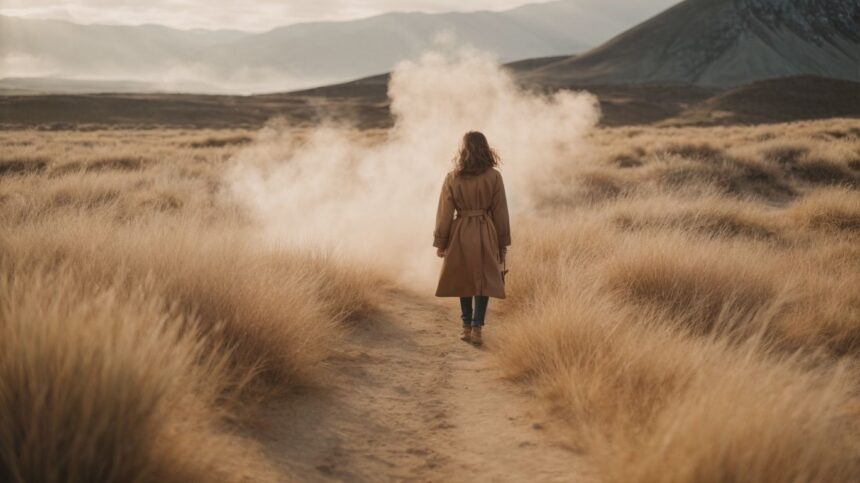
{"x":476,"y":336}
{"x":467,"y":333}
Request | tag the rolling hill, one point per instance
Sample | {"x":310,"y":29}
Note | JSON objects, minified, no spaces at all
{"x":777,"y":100}
{"x":724,"y":43}
{"x":365,"y":103}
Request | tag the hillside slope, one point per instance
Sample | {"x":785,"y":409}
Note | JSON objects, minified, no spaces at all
{"x":365,"y":103}
{"x":724,"y":43}
{"x":777,"y":100}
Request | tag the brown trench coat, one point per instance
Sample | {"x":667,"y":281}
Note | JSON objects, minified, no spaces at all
{"x":474,"y":240}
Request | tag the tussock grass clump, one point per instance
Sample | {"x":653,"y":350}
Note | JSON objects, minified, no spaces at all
{"x":276,"y":310}
{"x":738,"y":161}
{"x":825,"y":172}
{"x":143,"y":319}
{"x":627,"y":160}
{"x":65,"y":168}
{"x":694,"y":287}
{"x":701,"y":151}
{"x":116,"y":164}
{"x":740,"y":418}
{"x":542,"y":262}
{"x":708,"y":215}
{"x":833,"y":210}
{"x":22,"y":166}
{"x":630,"y":342}
{"x":599,"y":185}
{"x":220,"y":142}
{"x":647,"y":403}
{"x":109,"y":383}
{"x":280,"y":312}
{"x":784,"y":154}
{"x":737,"y":177}
{"x":704,"y":325}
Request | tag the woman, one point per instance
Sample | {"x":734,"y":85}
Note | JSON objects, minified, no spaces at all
{"x":474,"y":242}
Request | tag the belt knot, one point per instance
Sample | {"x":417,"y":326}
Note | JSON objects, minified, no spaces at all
{"x":471,"y":213}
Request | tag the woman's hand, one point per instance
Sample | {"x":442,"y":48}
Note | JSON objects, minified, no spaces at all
{"x":440,"y":252}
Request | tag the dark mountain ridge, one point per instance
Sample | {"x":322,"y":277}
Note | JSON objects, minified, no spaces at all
{"x":724,"y":43}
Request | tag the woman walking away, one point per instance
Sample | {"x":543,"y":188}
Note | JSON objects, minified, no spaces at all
{"x":473,"y":244}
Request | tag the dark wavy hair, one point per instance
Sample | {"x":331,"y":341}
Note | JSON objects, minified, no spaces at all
{"x":475,"y":155}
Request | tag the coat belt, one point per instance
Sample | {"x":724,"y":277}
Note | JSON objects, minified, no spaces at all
{"x":469,"y":213}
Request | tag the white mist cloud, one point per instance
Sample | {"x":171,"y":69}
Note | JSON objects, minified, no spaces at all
{"x":376,"y":201}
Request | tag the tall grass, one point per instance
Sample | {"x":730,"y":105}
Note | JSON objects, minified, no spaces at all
{"x":142,"y":319}
{"x":110,"y":383}
{"x":684,"y":300}
{"x":701,"y":322}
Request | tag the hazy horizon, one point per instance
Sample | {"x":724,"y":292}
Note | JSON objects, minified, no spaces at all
{"x":269,"y":14}
{"x":272,"y":47}
{"x":686,"y":44}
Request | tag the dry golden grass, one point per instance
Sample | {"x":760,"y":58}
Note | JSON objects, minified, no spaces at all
{"x":141,"y":318}
{"x":685,"y":299}
{"x":690,"y":308}
{"x":110,"y":383}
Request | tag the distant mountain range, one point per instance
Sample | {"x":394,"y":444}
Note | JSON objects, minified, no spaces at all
{"x":723,"y":43}
{"x":289,"y":57}
{"x":710,"y":43}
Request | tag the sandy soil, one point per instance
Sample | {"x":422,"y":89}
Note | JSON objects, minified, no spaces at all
{"x":406,"y":400}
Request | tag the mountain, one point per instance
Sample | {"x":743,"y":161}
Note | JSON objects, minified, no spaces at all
{"x":724,"y":43}
{"x":337,"y":51}
{"x":300,"y":55}
{"x":31,"y":47}
{"x":332,"y":52}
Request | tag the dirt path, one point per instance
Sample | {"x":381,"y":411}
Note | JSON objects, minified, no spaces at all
{"x":407,"y":401}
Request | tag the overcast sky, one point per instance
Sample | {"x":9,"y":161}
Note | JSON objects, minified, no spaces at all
{"x":260,"y":14}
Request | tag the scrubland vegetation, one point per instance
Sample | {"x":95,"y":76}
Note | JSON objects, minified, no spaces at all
{"x":687,"y":301}
{"x":141,"y":321}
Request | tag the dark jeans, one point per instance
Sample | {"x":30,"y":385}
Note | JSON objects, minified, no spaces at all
{"x":477,"y":320}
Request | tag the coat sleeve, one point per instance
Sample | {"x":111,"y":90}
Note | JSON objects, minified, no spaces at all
{"x":444,"y":216}
{"x":501,"y":218}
